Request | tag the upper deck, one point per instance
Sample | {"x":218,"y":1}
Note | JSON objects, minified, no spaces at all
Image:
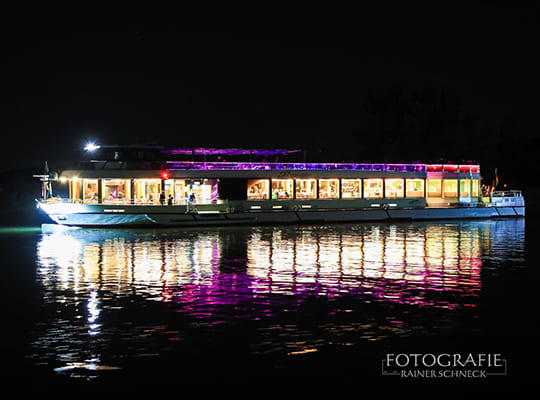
{"x":136,"y":162}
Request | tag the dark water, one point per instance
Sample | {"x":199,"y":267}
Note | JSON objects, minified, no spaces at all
{"x":130,"y":306}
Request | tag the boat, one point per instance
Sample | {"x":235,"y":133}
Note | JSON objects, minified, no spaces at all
{"x":132,"y":185}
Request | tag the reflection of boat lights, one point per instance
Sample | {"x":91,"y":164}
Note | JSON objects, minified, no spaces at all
{"x":434,"y":265}
{"x":93,"y":313}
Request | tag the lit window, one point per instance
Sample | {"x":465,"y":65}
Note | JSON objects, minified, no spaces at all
{"x":306,"y":188}
{"x":258,"y":189}
{"x":464,"y":187}
{"x":147,"y":190}
{"x":116,"y":190}
{"x":328,"y":188}
{"x":450,"y":188}
{"x":90,"y":190}
{"x":393,"y":187}
{"x":434,"y":188}
{"x":373,"y":188}
{"x":75,"y":193}
{"x":282,"y":188}
{"x":179,"y":191}
{"x":351,"y":188}
{"x":476,"y":187}
{"x":415,"y":188}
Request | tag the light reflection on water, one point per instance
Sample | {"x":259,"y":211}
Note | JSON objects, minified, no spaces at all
{"x":99,"y":286}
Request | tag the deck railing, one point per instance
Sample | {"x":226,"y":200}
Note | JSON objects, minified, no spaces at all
{"x":509,"y":198}
{"x":507,"y":193}
{"x":197,"y":165}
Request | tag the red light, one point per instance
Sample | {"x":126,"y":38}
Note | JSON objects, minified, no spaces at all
{"x":165,"y":175}
{"x":468,"y":168}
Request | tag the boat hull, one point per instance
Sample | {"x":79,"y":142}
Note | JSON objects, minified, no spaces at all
{"x":228,"y":214}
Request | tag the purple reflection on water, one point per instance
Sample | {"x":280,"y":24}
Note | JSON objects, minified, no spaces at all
{"x":225,"y":274}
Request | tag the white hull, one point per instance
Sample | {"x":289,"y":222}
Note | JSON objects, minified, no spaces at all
{"x":224,"y":214}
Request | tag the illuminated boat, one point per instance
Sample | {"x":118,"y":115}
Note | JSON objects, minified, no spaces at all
{"x":154,"y":186}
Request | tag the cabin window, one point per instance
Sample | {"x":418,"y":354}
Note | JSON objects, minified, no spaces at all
{"x":415,"y":188}
{"x":464,"y":187}
{"x":282,"y":188}
{"x":434,"y":188}
{"x":476,"y":187}
{"x":351,"y":188}
{"x":306,"y":188}
{"x":116,"y":190}
{"x":373,"y":188}
{"x":204,"y":190}
{"x":169,"y":190}
{"x":90,"y":190}
{"x":179,"y":191}
{"x":328,"y":188}
{"x":393,"y":187}
{"x":258,"y":189}
{"x":147,"y":190}
{"x":450,"y":188}
{"x":75,"y":190}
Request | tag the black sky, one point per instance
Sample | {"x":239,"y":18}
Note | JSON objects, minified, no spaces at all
{"x":274,"y":77}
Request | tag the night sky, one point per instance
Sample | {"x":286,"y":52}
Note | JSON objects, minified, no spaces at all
{"x":378,"y":82}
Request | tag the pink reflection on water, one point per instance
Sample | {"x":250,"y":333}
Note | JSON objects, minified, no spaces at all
{"x":237,"y":273}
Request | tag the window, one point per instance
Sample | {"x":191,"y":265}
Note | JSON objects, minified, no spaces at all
{"x":415,"y":188}
{"x":373,"y":188}
{"x":450,"y":187}
{"x":75,"y":194}
{"x":179,"y":191}
{"x":168,"y":188}
{"x":351,"y":188}
{"x":258,"y":189}
{"x":116,"y":190}
{"x":282,"y":188}
{"x":393,"y":187}
{"x":328,"y":188}
{"x":201,"y":190}
{"x":476,"y":187}
{"x":434,"y":188}
{"x":90,"y":190}
{"x":465,"y":187}
{"x":306,"y":188}
{"x":147,"y":190}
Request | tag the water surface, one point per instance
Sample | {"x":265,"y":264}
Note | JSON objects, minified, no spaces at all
{"x":108,"y":304}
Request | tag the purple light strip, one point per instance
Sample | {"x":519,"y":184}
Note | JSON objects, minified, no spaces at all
{"x":197,"y":165}
{"x":229,"y":151}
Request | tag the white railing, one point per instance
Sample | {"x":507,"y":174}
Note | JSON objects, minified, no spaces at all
{"x":507,"y":198}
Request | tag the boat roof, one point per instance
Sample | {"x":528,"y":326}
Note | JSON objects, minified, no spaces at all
{"x":229,"y":151}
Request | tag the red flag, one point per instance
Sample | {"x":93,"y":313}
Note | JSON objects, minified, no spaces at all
{"x":495,"y":180}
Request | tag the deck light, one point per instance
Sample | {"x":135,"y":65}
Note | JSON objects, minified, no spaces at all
{"x":91,"y":146}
